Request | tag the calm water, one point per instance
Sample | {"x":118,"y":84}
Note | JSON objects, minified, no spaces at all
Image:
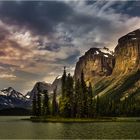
{"x":13,"y":127}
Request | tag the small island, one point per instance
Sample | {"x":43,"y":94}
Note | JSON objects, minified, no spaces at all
{"x":83,"y":120}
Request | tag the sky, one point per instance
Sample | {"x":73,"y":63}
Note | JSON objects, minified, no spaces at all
{"x":39,"y":38}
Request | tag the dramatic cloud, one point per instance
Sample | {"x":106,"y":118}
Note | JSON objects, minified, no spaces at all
{"x":38,"y":38}
{"x":42,"y":17}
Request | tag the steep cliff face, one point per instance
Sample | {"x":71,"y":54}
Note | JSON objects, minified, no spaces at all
{"x":95,"y":64}
{"x":46,"y":86}
{"x":127,"y":53}
{"x":42,"y":86}
{"x":124,"y":81}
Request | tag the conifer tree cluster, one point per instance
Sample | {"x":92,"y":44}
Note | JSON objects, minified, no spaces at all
{"x":77,"y":100}
{"x":41,"y":105}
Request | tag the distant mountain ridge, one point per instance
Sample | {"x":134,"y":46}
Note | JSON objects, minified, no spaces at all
{"x":45,"y":86}
{"x":10,"y":98}
{"x":12,"y":93}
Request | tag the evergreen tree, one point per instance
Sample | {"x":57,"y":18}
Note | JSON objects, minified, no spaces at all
{"x":97,"y":106}
{"x":63,"y":101}
{"x":54,"y":103}
{"x":64,"y":78}
{"x":69,"y":95}
{"x":34,"y":107}
{"x":64,"y":106}
{"x":90,"y":101}
{"x":78,"y":100}
{"x":83,"y":96}
{"x":46,"y":107}
{"x":66,"y":101}
{"x":38,"y":100}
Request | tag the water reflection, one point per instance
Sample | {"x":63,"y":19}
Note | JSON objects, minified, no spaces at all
{"x":13,"y":127}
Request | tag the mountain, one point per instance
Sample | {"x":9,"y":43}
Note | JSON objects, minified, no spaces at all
{"x":127,"y":53}
{"x":42,"y":86}
{"x":11,"y":93}
{"x":45,"y":86}
{"x":10,"y":98}
{"x":125,"y":79}
{"x":95,"y":64}
{"x":57,"y":83}
{"x":117,"y":76}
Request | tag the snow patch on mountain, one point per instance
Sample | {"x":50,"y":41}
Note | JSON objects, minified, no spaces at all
{"x":10,"y":98}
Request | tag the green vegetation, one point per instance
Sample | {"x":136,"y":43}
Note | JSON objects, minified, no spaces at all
{"x":69,"y":120}
{"x":54,"y":104}
{"x":83,"y":120}
{"x":127,"y":82}
{"x":102,"y":84}
{"x":79,"y":102}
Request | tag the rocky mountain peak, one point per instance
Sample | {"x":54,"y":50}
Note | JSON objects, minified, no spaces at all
{"x":127,"y":53}
{"x":132,"y":36}
{"x":94,"y":64}
{"x":10,"y":98}
{"x":95,"y":51}
{"x":11,"y":92}
{"x":45,"y":86}
{"x":9,"y":89}
{"x":38,"y":85}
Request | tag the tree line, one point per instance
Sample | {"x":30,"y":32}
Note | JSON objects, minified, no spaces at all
{"x":41,"y":105}
{"x":78,"y":100}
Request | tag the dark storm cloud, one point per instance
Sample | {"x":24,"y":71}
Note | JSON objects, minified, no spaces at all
{"x":133,"y":8}
{"x":43,"y":17}
{"x":89,"y":2}
{"x":36,"y":15}
{"x":86,"y":23}
{"x":130,"y":8}
{"x":55,"y":47}
{"x":51,"y":47}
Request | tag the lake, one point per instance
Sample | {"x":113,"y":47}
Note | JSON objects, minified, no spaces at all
{"x":15,"y":128}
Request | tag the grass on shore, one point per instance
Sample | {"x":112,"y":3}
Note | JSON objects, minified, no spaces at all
{"x":82,"y":120}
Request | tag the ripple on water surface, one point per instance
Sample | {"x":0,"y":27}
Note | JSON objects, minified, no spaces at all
{"x":15,"y":128}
